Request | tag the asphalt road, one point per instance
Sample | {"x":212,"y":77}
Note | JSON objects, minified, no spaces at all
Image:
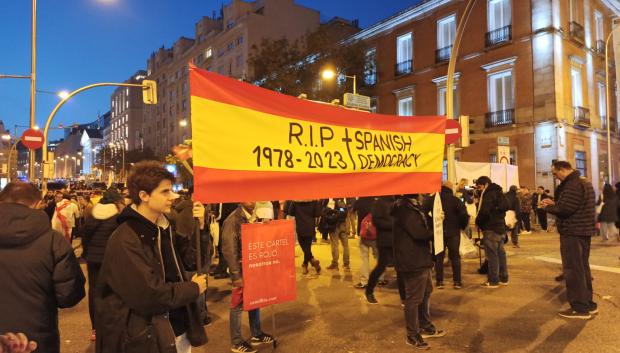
{"x":330,"y":315}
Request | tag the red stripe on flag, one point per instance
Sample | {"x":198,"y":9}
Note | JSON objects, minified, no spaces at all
{"x":212,"y":86}
{"x":217,"y":185}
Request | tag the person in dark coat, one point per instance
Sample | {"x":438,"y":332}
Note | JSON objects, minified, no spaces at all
{"x":97,"y":229}
{"x":144,"y":302}
{"x":455,"y":220}
{"x":222,"y":211}
{"x":514,"y":205}
{"x":491,"y":221}
{"x":618,"y":212}
{"x":609,"y":213}
{"x":305,"y":213}
{"x":362,"y":207}
{"x":537,"y":199}
{"x":39,"y":272}
{"x":384,"y":223}
{"x":413,"y":235}
{"x":575,"y":216}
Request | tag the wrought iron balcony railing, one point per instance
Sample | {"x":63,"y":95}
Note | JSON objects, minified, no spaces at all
{"x":499,"y":35}
{"x":403,"y":68}
{"x":443,"y":54}
{"x":500,"y":118}
{"x":581,"y":116}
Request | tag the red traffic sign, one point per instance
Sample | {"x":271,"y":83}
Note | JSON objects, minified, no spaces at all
{"x":33,"y":139}
{"x":453,"y":131}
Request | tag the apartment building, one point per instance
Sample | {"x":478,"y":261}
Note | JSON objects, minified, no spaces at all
{"x":125,"y":130}
{"x":532,"y":72}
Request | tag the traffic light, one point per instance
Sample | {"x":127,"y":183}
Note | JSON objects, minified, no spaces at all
{"x":149,"y":92}
{"x":464,"y":121}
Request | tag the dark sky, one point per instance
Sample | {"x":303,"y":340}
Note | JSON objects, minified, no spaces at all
{"x":80,"y":42}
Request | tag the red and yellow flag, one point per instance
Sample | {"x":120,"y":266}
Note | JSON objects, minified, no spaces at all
{"x":250,"y":143}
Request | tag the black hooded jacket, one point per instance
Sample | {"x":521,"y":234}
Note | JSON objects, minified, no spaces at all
{"x":492,"y":210}
{"x":413,"y":234}
{"x":455,"y":213}
{"x":38,"y":274}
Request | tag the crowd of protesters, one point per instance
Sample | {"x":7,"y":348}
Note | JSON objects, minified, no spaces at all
{"x":147,"y":294}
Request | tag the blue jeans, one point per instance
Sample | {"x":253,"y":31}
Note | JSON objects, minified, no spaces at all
{"x":235,"y":324}
{"x":495,"y":254}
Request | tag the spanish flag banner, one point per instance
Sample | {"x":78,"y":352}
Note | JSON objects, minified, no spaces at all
{"x":251,"y":144}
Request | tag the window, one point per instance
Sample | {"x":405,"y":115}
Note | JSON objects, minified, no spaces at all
{"x":493,"y":157}
{"x":127,"y":92}
{"x":598,"y":26}
{"x":230,"y":24}
{"x":370,"y":69}
{"x":446,"y":31}
{"x":404,"y":53}
{"x":499,"y":14}
{"x":209,"y":52}
{"x":239,"y":40}
{"x":581,"y":163}
{"x":184,"y":104}
{"x":602,"y":104}
{"x":576,"y":89}
{"x":405,"y":106}
{"x":513,"y":157}
{"x":576,"y":11}
{"x":501,"y":91}
{"x":230,"y":46}
{"x":441,"y":101}
{"x":374,"y":102}
{"x":444,"y":171}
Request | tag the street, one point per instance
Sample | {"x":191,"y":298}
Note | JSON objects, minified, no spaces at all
{"x":332,"y":316}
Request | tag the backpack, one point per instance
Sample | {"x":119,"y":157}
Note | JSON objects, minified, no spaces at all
{"x":368,"y":230}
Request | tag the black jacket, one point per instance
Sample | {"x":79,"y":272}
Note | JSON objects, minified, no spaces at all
{"x":492,"y":210}
{"x":575,"y":207}
{"x":136,"y":297}
{"x":231,"y":242}
{"x":455,"y":213}
{"x":383,"y":221}
{"x":413,"y":235}
{"x":305,"y":213}
{"x":513,"y":201}
{"x":38,"y":274}
{"x":535,"y":199}
{"x":96,"y":231}
{"x":609,"y":212}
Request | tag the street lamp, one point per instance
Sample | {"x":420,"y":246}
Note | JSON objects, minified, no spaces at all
{"x":329,"y":74}
{"x":183,"y":123}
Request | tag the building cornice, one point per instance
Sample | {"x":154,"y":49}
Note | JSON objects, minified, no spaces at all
{"x":442,"y":79}
{"x":497,"y":64}
{"x":391,"y":23}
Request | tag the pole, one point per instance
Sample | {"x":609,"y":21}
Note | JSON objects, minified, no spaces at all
{"x":608,"y":105}
{"x":8,"y":163}
{"x":33,"y":80}
{"x":354,"y":85}
{"x":450,"y":152}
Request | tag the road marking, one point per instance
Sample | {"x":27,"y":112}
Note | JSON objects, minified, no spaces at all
{"x":593,"y":267}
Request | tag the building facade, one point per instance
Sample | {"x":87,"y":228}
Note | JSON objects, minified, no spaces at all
{"x":529,"y":71}
{"x":126,"y":111}
{"x":222,"y":45}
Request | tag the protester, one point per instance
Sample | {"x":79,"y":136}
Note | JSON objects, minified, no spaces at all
{"x":462,"y":192}
{"x":609,"y":213}
{"x":525,"y":201}
{"x":455,"y":219}
{"x":383,"y":222}
{"x":413,"y":235}
{"x":514,"y":206}
{"x":367,"y":244}
{"x":223,"y":210}
{"x":144,"y":298}
{"x":65,"y":216}
{"x":97,"y":229}
{"x":305,"y":213}
{"x":335,"y":214}
{"x":490,"y":219}
{"x":16,"y":343}
{"x":351,"y":220}
{"x":39,"y":272}
{"x":575,"y":211}
{"x":537,"y":199}
{"x":231,"y":247}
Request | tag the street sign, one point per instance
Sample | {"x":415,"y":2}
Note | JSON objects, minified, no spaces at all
{"x":32,"y":139}
{"x":503,"y":140}
{"x":503,"y":154}
{"x":356,"y":101}
{"x":453,"y":131}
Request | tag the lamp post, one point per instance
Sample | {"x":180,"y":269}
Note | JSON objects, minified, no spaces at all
{"x":329,"y":74}
{"x":608,"y":103}
{"x":33,"y":81}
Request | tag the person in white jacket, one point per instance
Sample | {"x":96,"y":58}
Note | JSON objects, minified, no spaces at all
{"x":64,"y":217}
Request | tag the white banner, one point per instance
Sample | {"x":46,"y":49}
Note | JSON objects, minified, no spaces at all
{"x":438,"y":217}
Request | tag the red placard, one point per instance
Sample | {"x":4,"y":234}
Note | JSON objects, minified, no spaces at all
{"x":268,"y":263}
{"x":453,"y":131}
{"x":32,"y":139}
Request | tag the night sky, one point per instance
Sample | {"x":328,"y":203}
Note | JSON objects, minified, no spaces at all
{"x":80,"y":42}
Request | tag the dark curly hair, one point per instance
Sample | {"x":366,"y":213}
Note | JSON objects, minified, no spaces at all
{"x":146,"y":176}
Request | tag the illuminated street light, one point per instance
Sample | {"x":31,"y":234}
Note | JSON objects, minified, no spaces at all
{"x":6,"y":137}
{"x":183,"y":123}
{"x":329,"y":74}
{"x":63,"y":94}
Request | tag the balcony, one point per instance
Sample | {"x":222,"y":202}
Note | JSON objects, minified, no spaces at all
{"x":403,"y":68}
{"x":612,"y":123}
{"x":600,"y":47}
{"x":581,"y":116}
{"x":499,"y":118}
{"x":498,"y":36}
{"x":443,"y":54}
{"x":576,"y":32}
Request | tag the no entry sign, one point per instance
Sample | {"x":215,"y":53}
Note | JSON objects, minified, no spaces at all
{"x":32,"y":139}
{"x":453,"y":131}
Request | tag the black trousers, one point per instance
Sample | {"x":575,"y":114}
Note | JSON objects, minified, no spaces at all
{"x":222,"y":266}
{"x":418,"y":288}
{"x":542,"y":218}
{"x":93,"y":274}
{"x":452,"y":244}
{"x":525,"y":221}
{"x":386,"y":254}
{"x":575,"y":252}
{"x":306,"y":246}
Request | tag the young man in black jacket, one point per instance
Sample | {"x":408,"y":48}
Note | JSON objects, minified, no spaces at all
{"x":145,"y":303}
{"x":491,"y":220}
{"x":413,"y":255}
{"x":39,"y":272}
